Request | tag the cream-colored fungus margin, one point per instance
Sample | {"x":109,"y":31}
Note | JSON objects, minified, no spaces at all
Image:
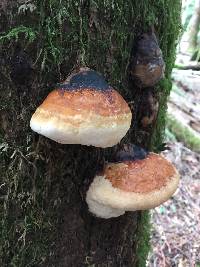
{"x":86,"y":128}
{"x":106,"y":201}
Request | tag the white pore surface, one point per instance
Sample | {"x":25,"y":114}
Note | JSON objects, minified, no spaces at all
{"x":102,"y":194}
{"x":103,"y":211}
{"x":94,"y":130}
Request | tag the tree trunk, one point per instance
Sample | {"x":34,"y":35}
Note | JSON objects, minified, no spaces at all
{"x":44,"y":216}
{"x":193,"y":27}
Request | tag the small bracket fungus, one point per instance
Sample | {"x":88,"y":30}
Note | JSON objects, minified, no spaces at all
{"x":132,"y":185}
{"x":147,"y":66}
{"x":148,"y":108}
{"x":129,"y":152}
{"x":84,"y":110}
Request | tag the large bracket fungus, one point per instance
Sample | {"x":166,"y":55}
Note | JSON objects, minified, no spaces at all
{"x":83,"y":110}
{"x":132,"y":184}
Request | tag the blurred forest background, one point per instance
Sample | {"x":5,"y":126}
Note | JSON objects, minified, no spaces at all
{"x":176,"y":224}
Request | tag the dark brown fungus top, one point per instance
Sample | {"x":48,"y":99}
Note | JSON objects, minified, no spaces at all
{"x":147,"y":66}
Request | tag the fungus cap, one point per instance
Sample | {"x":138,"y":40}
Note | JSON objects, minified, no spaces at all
{"x":148,"y":66}
{"x":132,"y":185}
{"x":85,"y":110}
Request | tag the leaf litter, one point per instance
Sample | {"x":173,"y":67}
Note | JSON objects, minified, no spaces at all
{"x":175,"y":236}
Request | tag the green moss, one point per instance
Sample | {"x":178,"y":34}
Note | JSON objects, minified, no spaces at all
{"x":23,"y":222}
{"x":184,"y":133}
{"x":169,"y":31}
{"x":143,"y":244}
{"x":64,"y":31}
{"x":15,"y":33}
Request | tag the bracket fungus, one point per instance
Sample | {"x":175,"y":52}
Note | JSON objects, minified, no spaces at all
{"x":83,"y":110}
{"x":148,"y":108}
{"x":147,"y":66}
{"x":132,"y":184}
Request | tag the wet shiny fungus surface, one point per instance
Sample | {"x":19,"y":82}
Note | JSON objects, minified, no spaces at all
{"x":86,"y":79}
{"x":130,"y":152}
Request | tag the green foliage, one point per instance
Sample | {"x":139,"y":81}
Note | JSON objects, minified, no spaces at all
{"x":170,"y":136}
{"x":16,"y":33}
{"x":183,"y":133}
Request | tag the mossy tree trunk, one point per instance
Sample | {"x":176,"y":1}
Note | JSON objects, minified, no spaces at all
{"x":44,"y":217}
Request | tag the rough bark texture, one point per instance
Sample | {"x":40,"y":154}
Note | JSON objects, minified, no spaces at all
{"x":44,"y":217}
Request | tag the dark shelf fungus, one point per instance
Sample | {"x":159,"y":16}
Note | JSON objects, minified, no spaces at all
{"x":148,"y":109}
{"x":85,"y":79}
{"x":147,"y":65}
{"x":132,"y":185}
{"x":83,"y":110}
{"x":129,"y":152}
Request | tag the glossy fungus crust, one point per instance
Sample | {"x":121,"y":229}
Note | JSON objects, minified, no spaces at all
{"x":129,"y":152}
{"x":86,"y":79}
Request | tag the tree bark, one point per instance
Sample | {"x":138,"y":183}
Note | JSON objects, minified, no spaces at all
{"x":193,"y":27}
{"x":45,"y":219}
